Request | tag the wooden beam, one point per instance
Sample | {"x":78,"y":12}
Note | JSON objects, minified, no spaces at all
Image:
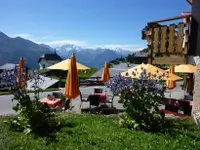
{"x":170,"y":60}
{"x":190,"y":1}
{"x":168,"y":19}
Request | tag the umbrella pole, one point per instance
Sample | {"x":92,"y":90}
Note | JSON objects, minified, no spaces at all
{"x":170,"y":96}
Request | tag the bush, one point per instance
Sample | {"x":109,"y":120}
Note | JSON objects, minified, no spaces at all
{"x":34,"y":116}
{"x":141,"y":101}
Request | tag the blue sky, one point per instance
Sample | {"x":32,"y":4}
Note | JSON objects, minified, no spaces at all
{"x":85,"y":22}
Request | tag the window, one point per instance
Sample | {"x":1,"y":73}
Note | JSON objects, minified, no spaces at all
{"x":43,"y":66}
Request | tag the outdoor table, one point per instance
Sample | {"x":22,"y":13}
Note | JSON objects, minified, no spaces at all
{"x":185,"y":100}
{"x":51,"y":103}
{"x":102,"y":97}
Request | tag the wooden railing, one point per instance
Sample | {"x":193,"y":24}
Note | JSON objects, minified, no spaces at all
{"x":168,"y":44}
{"x":91,"y":81}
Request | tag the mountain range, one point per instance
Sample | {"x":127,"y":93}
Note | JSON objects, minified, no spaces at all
{"x":11,"y":49}
{"x":92,"y":57}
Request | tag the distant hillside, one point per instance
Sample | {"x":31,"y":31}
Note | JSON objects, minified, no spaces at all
{"x":129,"y":58}
{"x":11,"y":49}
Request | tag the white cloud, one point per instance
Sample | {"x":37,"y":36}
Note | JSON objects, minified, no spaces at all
{"x":62,"y":42}
{"x":50,"y":40}
{"x":21,"y":35}
{"x":46,"y":37}
{"x":124,"y":46}
{"x":118,"y":46}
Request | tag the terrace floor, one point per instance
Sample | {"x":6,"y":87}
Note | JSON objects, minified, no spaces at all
{"x":6,"y":103}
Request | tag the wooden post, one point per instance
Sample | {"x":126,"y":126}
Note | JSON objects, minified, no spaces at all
{"x":150,"y":46}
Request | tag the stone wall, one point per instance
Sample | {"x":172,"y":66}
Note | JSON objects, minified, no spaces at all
{"x":196,"y":97}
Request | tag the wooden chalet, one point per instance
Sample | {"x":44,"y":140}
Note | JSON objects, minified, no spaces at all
{"x":174,"y":43}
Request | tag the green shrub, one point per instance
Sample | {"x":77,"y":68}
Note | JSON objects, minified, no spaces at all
{"x":141,"y":98}
{"x":34,"y":116}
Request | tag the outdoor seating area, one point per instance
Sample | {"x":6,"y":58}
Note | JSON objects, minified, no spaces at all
{"x":101,"y":101}
{"x":81,"y":78}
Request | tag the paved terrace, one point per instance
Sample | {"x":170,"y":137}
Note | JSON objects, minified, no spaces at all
{"x":6,"y":103}
{"x":115,"y":70}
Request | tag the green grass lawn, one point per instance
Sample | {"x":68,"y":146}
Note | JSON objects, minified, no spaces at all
{"x":87,"y":73}
{"x":81,"y":73}
{"x":95,"y":132}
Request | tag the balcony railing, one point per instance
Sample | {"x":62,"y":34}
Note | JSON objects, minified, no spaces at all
{"x":168,"y":44}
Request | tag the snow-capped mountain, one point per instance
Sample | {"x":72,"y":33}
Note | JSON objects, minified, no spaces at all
{"x":68,"y":47}
{"x":11,"y":49}
{"x":94,"y":57}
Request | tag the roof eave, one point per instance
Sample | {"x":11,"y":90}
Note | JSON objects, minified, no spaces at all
{"x":190,"y":1}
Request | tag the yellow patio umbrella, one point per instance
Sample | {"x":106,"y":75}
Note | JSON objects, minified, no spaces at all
{"x":71,"y":90}
{"x":106,"y":74}
{"x":64,"y":65}
{"x":185,"y":68}
{"x":21,"y":78}
{"x":151,"y":72}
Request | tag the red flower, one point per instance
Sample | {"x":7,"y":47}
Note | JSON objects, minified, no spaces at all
{"x":131,"y":92}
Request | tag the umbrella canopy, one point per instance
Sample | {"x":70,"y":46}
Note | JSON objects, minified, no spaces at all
{"x":185,"y":68}
{"x":64,"y":65}
{"x":153,"y":73}
{"x":21,"y":77}
{"x":72,"y":84}
{"x":171,"y":84}
{"x":106,"y":74}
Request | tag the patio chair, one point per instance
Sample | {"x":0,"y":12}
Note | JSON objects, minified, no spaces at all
{"x":84,"y":98}
{"x":98,"y":90}
{"x":57,"y":95}
{"x":94,"y":100}
{"x":61,"y":107}
{"x":110,"y":99}
{"x":171,"y":105}
{"x":184,"y":107}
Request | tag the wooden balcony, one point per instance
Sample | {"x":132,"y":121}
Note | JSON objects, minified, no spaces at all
{"x":168,"y":44}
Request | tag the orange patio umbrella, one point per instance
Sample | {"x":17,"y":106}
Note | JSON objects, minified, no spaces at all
{"x":106,"y":74}
{"x":21,"y":78}
{"x":71,"y":90}
{"x":171,"y":84}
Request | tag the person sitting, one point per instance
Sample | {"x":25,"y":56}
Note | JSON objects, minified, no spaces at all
{"x":50,"y":97}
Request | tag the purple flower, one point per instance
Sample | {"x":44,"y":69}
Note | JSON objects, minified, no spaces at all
{"x":11,"y":78}
{"x":164,"y":74}
{"x":149,"y":74}
{"x":119,"y":83}
{"x":133,"y":73}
